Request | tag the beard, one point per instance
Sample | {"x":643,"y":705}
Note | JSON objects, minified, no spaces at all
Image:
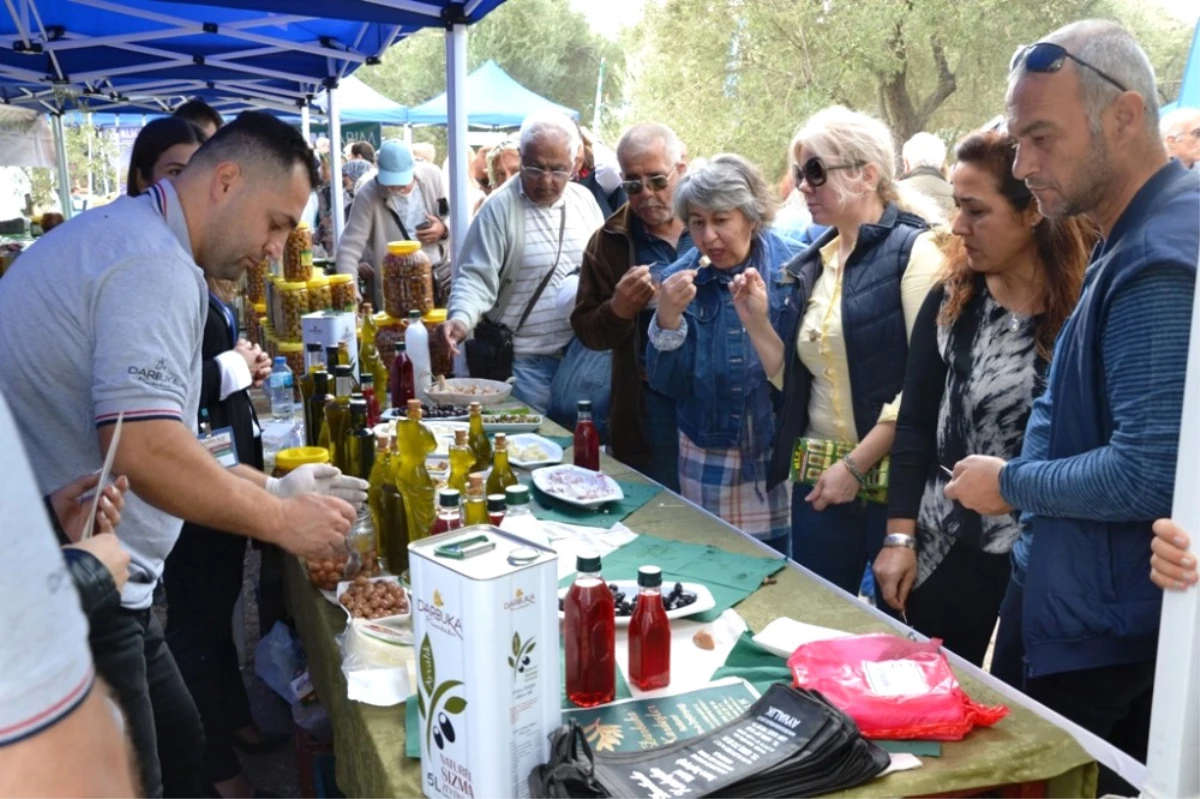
{"x":1088,"y":186}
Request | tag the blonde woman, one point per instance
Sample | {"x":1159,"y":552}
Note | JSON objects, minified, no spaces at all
{"x":841,"y":345}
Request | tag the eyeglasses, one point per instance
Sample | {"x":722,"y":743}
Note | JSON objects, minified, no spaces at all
{"x":1194,"y":133}
{"x":816,"y":171}
{"x":653,"y":182}
{"x":1047,"y":57}
{"x":537,"y":173}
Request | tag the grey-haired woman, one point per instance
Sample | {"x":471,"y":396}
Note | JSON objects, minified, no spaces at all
{"x":701,"y":355}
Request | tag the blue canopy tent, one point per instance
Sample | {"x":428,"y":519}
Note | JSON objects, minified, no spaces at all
{"x":143,"y":56}
{"x":494,"y":100}
{"x":360,"y":103}
{"x":1189,"y":89}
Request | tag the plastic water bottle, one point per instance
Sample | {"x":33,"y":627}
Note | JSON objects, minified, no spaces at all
{"x":279,"y":390}
{"x":416,"y":342}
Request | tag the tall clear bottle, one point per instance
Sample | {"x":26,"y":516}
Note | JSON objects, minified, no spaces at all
{"x":589,"y":636}
{"x":369,"y":360}
{"x":502,"y":474}
{"x":478,"y":439}
{"x":462,"y":461}
{"x":416,"y":338}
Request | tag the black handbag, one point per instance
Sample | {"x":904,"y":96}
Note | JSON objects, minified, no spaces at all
{"x":490,"y":350}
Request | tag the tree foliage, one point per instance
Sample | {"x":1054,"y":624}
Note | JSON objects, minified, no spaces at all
{"x":543,"y":44}
{"x":744,"y":74}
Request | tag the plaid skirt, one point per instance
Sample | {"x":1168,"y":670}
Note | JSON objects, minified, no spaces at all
{"x":712,"y":478}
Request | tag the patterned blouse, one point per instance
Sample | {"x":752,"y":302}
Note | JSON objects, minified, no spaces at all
{"x":968,"y":390}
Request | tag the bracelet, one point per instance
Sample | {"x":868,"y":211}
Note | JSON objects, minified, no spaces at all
{"x":900,"y":540}
{"x":853,"y":467}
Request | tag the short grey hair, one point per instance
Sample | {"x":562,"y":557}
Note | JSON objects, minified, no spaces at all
{"x":924,"y":149}
{"x":539,"y":124}
{"x":725,"y":183}
{"x":1178,"y":118}
{"x":645,"y":136}
{"x":1110,"y":48}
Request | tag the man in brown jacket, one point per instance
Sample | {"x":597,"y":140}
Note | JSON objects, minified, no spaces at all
{"x":618,"y":288}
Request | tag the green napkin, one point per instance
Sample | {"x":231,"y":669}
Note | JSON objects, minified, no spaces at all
{"x":563,"y":441}
{"x":918,"y":748}
{"x":754,"y":664}
{"x":552,"y":510}
{"x":728,"y":576}
{"x":412,"y":716}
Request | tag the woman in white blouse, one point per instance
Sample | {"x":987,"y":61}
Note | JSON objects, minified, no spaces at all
{"x":839,"y":353}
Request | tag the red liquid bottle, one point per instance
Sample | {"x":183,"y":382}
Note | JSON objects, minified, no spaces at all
{"x":449,"y":512}
{"x":587,"y":438}
{"x":403,"y":384}
{"x":650,"y":634}
{"x":496,"y":508}
{"x":368,"y":392}
{"x":589,"y":633}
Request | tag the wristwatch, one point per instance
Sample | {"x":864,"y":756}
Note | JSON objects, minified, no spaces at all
{"x":900,"y":540}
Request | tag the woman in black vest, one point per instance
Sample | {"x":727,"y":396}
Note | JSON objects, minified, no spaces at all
{"x":853,"y":297}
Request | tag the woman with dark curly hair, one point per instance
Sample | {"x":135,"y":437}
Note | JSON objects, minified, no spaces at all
{"x":977,"y":359}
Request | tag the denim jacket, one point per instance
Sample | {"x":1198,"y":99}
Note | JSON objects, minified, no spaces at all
{"x":716,"y":378}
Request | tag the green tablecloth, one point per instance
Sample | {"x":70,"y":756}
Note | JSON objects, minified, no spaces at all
{"x":369,"y":741}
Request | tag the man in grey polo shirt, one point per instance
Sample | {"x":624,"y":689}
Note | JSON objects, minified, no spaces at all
{"x":105,"y":316}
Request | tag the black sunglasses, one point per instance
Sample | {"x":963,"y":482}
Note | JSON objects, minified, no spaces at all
{"x":816,"y":172}
{"x":655,"y":182}
{"x":1047,"y":57}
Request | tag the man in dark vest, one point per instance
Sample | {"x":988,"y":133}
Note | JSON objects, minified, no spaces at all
{"x":1098,"y":464}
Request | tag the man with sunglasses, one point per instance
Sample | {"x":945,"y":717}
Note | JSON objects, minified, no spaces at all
{"x":524,"y":242}
{"x":1098,"y":460}
{"x":1181,"y":135}
{"x":616,"y":290}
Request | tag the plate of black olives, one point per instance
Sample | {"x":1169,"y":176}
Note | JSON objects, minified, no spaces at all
{"x":679,"y":599}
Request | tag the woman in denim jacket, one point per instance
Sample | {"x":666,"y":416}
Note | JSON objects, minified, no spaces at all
{"x":700,"y":354}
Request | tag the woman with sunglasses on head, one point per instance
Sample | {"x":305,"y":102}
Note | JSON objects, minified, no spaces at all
{"x":203,"y":573}
{"x":838,"y":352}
{"x":698,"y":354}
{"x":977,"y":359}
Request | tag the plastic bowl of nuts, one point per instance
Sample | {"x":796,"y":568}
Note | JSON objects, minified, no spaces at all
{"x":465,"y":390}
{"x":380,"y":599}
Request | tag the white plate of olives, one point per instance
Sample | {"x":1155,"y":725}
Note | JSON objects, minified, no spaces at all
{"x":679,"y":599}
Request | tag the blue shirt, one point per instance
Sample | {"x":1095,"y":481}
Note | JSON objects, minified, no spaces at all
{"x":649,"y":250}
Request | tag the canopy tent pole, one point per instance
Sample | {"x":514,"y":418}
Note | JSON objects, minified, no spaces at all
{"x":408,"y":135}
{"x":335,"y":161}
{"x":64,"y":178}
{"x":1172,"y":766}
{"x":306,"y":124}
{"x":456,"y":108}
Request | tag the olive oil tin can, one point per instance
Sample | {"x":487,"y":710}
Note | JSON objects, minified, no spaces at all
{"x":489,"y":687}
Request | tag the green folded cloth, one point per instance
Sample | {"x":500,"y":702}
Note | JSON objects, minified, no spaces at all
{"x":552,"y":510}
{"x":754,"y":664}
{"x":918,"y":748}
{"x":728,"y":576}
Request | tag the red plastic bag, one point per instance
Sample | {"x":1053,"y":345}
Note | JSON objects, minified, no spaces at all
{"x":892,"y":687}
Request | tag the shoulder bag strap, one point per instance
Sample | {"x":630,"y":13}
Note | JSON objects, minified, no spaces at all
{"x":562,"y":229}
{"x":396,"y":216}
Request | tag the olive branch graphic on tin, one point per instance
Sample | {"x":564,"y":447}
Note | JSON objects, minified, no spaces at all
{"x":520,"y":654}
{"x":430,"y":694}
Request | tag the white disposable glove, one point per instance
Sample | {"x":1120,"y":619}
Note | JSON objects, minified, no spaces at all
{"x":319,"y":478}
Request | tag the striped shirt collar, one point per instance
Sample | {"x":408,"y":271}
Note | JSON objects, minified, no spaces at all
{"x":165,"y":201}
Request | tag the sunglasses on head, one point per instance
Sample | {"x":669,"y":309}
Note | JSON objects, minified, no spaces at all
{"x":1047,"y":57}
{"x":655,"y":182}
{"x":816,"y":171}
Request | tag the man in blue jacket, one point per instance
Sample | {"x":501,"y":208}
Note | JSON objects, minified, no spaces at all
{"x":1098,"y":461}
